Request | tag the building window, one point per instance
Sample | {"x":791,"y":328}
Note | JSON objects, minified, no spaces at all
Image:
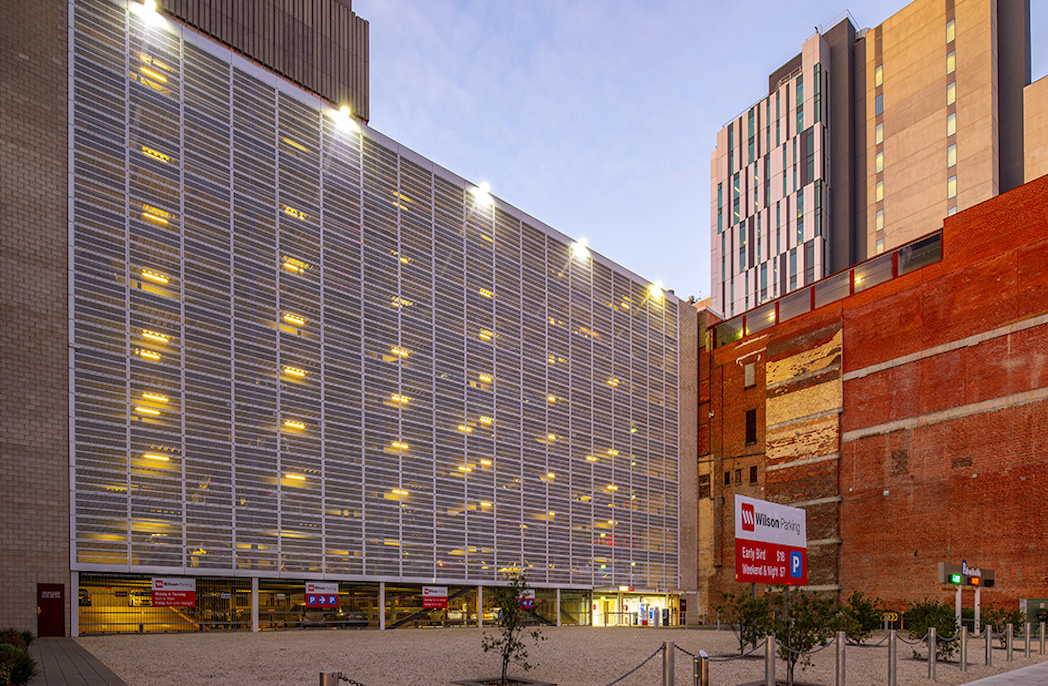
{"x":951,"y":62}
{"x":704,"y":486}
{"x":951,"y":31}
{"x":879,"y":162}
{"x":878,"y":75}
{"x":751,"y":427}
{"x":951,"y":92}
{"x":880,"y":245}
{"x":951,"y":156}
{"x":951,"y":124}
{"x":952,"y":211}
{"x":879,"y":195}
{"x":951,"y":187}
{"x":749,"y":372}
{"x":753,"y":474}
{"x":880,"y":220}
{"x":878,"y":134}
{"x":878,"y":104}
{"x":738,"y":476}
{"x":727,"y":478}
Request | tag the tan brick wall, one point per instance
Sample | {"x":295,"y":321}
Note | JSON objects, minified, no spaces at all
{"x":34,"y":448}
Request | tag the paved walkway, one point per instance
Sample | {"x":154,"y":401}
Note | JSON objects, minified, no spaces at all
{"x":63,"y":662}
{"x":1034,"y":675}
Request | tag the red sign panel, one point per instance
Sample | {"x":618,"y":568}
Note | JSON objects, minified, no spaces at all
{"x":770,"y":563}
{"x":174,"y":592}
{"x":434,"y":597}
{"x":321,"y":594}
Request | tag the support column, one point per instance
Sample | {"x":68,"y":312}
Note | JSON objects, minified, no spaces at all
{"x":480,"y":606}
{"x":957,"y":606}
{"x":558,"y":607}
{"x":74,"y":604}
{"x":382,"y":606}
{"x":978,"y":606}
{"x":254,"y":604}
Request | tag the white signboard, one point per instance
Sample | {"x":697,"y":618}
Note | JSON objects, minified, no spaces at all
{"x":771,"y":543}
{"x":434,"y":597}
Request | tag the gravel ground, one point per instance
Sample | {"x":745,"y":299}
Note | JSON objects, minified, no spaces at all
{"x":570,"y":656}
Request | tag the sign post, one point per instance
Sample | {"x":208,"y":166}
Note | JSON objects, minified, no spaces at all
{"x":771,"y":543}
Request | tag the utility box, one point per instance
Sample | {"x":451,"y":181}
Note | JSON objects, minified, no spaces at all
{"x":1035,"y":609}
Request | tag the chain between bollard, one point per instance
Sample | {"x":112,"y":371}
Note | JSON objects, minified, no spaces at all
{"x":920,"y":640}
{"x":646,"y":661}
{"x":729,"y":658}
{"x":351,"y":681}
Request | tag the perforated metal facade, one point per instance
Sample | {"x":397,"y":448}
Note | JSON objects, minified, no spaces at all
{"x":300,"y":350}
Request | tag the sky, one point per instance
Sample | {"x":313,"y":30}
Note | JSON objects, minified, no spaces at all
{"x":596,"y":117}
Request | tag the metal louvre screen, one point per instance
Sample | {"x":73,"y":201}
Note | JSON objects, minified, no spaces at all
{"x":301,"y":351}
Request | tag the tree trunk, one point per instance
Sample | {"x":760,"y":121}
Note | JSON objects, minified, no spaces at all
{"x":505,"y":668}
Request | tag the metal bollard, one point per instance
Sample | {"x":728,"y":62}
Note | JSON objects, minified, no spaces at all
{"x":893,"y":656}
{"x":988,"y":629}
{"x":702,"y":669}
{"x":964,"y":649}
{"x":1008,"y":631}
{"x":330,"y":678}
{"x":933,"y":647}
{"x":1026,"y":641}
{"x":769,"y":661}
{"x":841,"y":639}
{"x":668,"y":653}
{"x":1042,"y":638}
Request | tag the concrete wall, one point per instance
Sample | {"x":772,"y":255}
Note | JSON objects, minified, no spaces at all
{"x":1035,"y":129}
{"x":34,"y":385}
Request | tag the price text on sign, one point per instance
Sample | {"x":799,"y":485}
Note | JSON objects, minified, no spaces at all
{"x":771,"y":543}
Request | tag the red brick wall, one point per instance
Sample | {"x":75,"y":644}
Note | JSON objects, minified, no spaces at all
{"x":943,"y":443}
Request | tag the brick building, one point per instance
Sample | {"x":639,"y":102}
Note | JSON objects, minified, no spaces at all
{"x":903,"y":403}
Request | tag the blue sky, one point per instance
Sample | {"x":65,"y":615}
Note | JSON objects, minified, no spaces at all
{"x":595,"y":116}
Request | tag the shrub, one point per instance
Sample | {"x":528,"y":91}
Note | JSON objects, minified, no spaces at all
{"x":928,"y":613}
{"x":26,"y":636}
{"x":749,"y":618}
{"x":860,"y":617}
{"x":998,"y":618}
{"x":16,"y":666}
{"x":13,"y":638}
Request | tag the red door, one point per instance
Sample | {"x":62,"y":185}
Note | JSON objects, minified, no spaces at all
{"x":50,"y":610}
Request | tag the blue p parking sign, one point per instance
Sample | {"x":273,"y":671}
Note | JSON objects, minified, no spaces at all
{"x":796,"y":564}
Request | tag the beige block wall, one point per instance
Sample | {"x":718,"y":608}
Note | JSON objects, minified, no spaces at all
{"x":34,"y":377}
{"x":915,"y":113}
{"x":688,"y":329}
{"x":1035,"y":129}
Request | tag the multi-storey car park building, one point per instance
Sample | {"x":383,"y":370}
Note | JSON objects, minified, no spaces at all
{"x":865,"y":141}
{"x":263,"y":345}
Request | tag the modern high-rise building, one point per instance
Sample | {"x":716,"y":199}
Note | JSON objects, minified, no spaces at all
{"x":254,"y":345}
{"x":865,"y":141}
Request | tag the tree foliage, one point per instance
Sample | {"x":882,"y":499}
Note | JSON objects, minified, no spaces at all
{"x":928,"y":613}
{"x":749,"y":618}
{"x":997,"y":618}
{"x":513,"y":620}
{"x":859,"y":617}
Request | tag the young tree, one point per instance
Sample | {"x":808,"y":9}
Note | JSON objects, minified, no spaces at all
{"x":749,"y":618}
{"x":809,"y":623}
{"x":513,"y":619}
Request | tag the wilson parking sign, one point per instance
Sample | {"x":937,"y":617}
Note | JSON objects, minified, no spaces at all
{"x":771,"y":543}
{"x":321,"y":594}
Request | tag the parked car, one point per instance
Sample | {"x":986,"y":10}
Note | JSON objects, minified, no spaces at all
{"x":85,"y":598}
{"x":314,"y":617}
{"x":140,"y":598}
